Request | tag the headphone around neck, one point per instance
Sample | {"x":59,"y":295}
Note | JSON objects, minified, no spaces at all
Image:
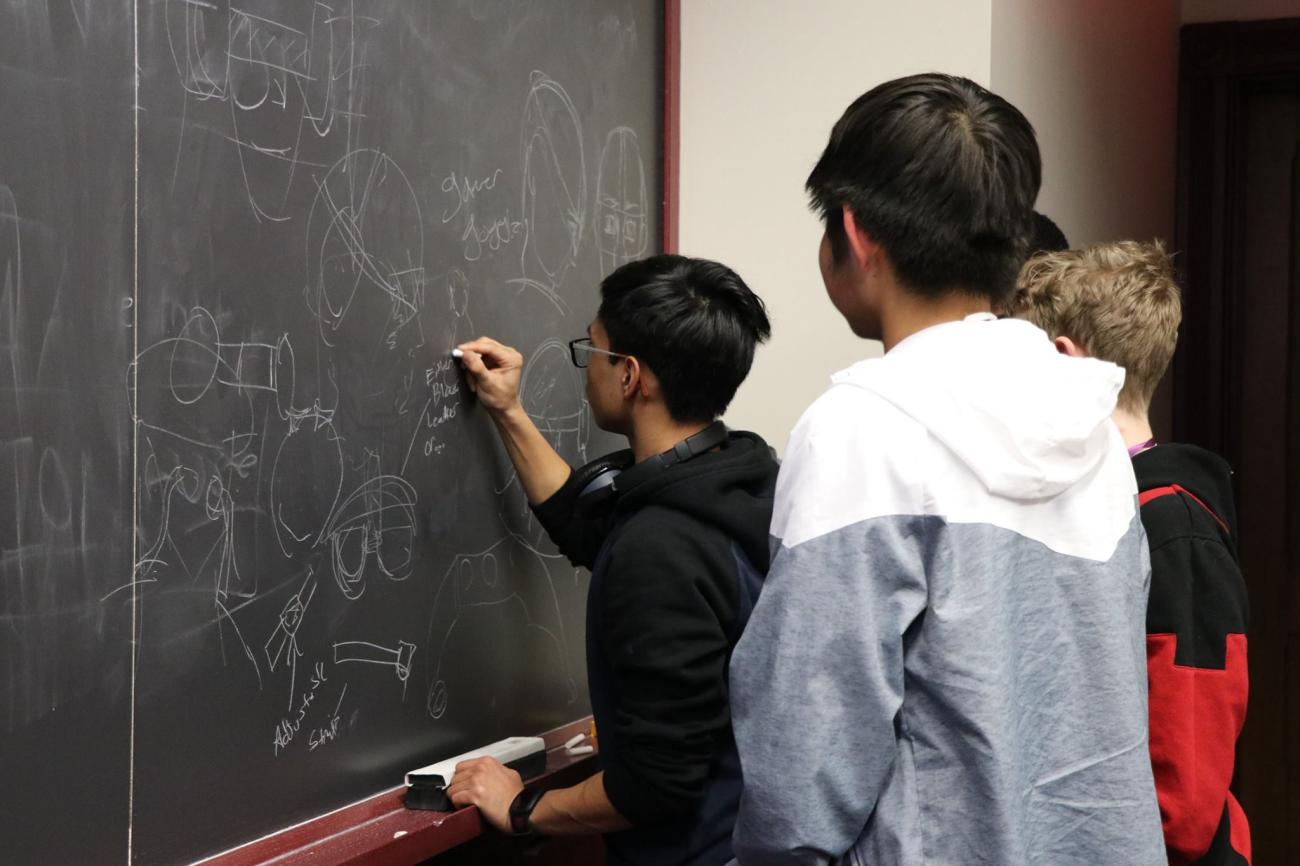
{"x":601,"y":482}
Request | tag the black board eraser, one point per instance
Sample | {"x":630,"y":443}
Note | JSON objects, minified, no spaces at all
{"x":427,"y":791}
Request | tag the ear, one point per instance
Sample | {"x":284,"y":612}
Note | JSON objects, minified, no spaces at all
{"x":633,"y":377}
{"x":862,"y":248}
{"x":1066,"y":346}
{"x":645,"y":383}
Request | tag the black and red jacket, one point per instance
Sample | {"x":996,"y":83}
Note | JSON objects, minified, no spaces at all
{"x":1196,"y":652}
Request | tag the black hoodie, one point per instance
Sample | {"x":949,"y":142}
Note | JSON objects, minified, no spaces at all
{"x":676,"y":566}
{"x":1196,"y":651}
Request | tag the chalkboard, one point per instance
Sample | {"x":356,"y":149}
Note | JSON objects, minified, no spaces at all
{"x":260,"y":552}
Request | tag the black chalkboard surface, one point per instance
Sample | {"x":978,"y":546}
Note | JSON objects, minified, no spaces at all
{"x":237,"y":243}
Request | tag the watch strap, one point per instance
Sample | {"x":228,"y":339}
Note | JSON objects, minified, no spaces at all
{"x":521,"y":810}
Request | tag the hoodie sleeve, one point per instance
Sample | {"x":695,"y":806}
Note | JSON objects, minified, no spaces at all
{"x":1196,"y":668}
{"x":817,"y":678}
{"x":577,"y":537}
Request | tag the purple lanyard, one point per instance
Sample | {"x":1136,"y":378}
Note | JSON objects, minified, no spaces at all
{"x":1141,"y":446}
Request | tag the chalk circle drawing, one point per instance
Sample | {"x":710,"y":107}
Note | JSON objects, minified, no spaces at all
{"x":553,"y":207}
{"x":55,"y":490}
{"x":553,"y":393}
{"x":376,"y":522}
{"x":370,"y":530}
{"x":215,"y":380}
{"x":365,"y":246}
{"x":295,"y":88}
{"x":505,"y":589}
{"x":296,"y":495}
{"x":208,"y":399}
{"x":622,"y":233}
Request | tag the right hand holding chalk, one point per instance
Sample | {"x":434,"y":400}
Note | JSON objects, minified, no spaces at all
{"x":493,"y":372}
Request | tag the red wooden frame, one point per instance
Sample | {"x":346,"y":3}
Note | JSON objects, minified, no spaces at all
{"x":671,"y":161}
{"x":380,"y":831}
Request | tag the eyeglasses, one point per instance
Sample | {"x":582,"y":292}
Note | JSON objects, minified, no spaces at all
{"x":581,"y":350}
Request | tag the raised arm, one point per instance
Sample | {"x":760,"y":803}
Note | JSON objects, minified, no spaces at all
{"x":493,"y":371}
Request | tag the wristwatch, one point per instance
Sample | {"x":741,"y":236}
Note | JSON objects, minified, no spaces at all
{"x":521,"y":810}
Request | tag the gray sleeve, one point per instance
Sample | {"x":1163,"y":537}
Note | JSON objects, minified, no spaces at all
{"x":816,"y":684}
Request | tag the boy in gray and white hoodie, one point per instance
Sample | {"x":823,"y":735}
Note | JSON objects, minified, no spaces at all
{"x":947,"y":661}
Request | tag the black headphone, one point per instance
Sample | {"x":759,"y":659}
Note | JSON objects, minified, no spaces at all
{"x":602,"y":481}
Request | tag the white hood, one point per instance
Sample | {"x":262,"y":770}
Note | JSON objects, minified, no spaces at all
{"x":1028,"y":421}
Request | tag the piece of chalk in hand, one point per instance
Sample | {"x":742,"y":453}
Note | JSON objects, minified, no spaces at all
{"x":457,"y":354}
{"x":581,"y":750}
{"x":573,"y":741}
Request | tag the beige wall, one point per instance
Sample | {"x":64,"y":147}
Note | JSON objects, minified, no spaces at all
{"x":763,"y":81}
{"x":1098,"y":81}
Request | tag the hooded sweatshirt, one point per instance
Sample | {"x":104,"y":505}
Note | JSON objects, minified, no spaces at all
{"x":1196,"y":652}
{"x":947,"y":661}
{"x":676,"y":566}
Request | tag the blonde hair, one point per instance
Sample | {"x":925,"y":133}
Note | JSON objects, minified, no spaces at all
{"x":1116,"y":301}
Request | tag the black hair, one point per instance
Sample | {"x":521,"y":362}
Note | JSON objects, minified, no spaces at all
{"x":693,"y":322}
{"x":1048,"y":237}
{"x":940,"y":172}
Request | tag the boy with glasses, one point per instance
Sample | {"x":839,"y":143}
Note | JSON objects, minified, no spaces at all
{"x":675,"y":531}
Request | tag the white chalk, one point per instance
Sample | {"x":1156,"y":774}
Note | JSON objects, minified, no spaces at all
{"x":582,"y":750}
{"x":399,"y":834}
{"x":457,"y":354}
{"x":573,"y":741}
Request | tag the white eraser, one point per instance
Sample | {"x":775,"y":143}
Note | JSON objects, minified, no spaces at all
{"x":457,"y":354}
{"x":505,"y":751}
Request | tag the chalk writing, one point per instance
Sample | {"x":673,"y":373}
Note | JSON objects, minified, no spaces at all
{"x":330,"y":731}
{"x":465,"y":189}
{"x":286,"y":730}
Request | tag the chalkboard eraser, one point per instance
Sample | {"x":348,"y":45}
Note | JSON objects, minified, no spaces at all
{"x":524,"y":755}
{"x":427,"y":791}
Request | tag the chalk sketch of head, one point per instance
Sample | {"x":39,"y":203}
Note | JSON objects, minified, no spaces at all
{"x":622,"y":234}
{"x":365,"y":254}
{"x":554,"y":205}
{"x":505,"y":589}
{"x":292,"y":87}
{"x":553,"y":394}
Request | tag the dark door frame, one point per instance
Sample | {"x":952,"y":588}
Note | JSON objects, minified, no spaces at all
{"x":1222,"y":68}
{"x":1219,"y":65}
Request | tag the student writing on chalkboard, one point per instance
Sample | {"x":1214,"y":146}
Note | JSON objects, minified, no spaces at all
{"x":677,"y":543}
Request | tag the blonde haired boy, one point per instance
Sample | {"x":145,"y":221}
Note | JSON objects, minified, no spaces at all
{"x":1119,"y":302}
